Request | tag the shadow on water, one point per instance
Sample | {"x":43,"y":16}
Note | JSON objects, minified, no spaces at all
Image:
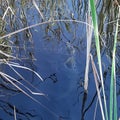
{"x":57,"y":51}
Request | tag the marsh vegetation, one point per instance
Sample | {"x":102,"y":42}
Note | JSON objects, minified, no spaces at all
{"x":59,"y":59}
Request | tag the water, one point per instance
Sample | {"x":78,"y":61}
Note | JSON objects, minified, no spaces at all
{"x":57,"y":51}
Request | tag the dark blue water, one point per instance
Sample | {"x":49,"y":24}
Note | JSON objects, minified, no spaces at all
{"x":57,"y":52}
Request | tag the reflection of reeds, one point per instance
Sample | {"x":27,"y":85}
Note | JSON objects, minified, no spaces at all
{"x":21,"y":87}
{"x":42,"y":23}
{"x":89,"y":28}
{"x":15,"y":118}
{"x":35,"y":4}
{"x":89,"y":33}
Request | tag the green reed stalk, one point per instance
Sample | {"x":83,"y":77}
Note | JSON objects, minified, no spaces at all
{"x":95,"y":25}
{"x":113,"y":97}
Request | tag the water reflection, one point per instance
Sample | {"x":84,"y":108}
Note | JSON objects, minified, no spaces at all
{"x":56,"y":50}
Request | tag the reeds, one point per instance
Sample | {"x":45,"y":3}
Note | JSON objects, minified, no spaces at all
{"x":113,"y":97}
{"x":29,"y":93}
{"x":89,"y":31}
{"x":96,"y":34}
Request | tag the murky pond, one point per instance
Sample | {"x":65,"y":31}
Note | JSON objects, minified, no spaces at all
{"x":43,"y":65}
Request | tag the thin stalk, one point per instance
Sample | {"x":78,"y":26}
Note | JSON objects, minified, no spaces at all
{"x":94,"y":19}
{"x":89,"y":39}
{"x":9,"y":79}
{"x":36,"y":6}
{"x":113,"y":97}
{"x":15,"y":118}
{"x":42,"y":23}
{"x":96,"y":77}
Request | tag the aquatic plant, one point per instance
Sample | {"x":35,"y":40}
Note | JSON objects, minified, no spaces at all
{"x":113,"y":93}
{"x":98,"y":76}
{"x":113,"y":97}
{"x":96,"y":33}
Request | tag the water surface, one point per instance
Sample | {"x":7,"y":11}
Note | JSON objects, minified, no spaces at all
{"x":57,"y":51}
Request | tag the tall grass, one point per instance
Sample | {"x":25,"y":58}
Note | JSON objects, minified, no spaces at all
{"x":94,"y":19}
{"x":28,"y":92}
{"x":113,"y":97}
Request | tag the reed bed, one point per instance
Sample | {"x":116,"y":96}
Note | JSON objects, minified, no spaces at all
{"x":113,"y":97}
{"x":98,"y":74}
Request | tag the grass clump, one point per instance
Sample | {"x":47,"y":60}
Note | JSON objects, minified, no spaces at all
{"x":96,"y":33}
{"x":28,"y":92}
{"x":113,"y":97}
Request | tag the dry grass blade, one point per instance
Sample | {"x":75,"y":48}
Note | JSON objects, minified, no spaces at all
{"x":89,"y":39}
{"x":26,"y":68}
{"x":11,"y":78}
{"x":35,"y":93}
{"x":42,"y":23}
{"x":8,"y":8}
{"x":7,"y":55}
{"x":6,"y":77}
{"x":97,"y":86}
